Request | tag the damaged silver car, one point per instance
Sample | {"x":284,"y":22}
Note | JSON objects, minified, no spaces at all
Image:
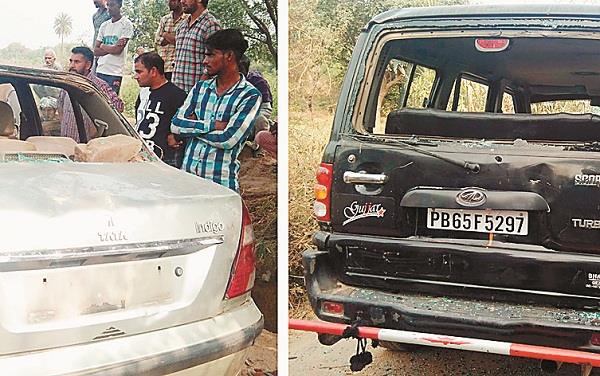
{"x":111,"y":261}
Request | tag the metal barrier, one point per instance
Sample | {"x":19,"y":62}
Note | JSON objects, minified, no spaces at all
{"x":587,"y":360}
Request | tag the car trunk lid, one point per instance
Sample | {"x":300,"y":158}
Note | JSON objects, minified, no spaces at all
{"x":93,"y":251}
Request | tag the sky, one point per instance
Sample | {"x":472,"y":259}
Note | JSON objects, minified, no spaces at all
{"x":31,"y":23}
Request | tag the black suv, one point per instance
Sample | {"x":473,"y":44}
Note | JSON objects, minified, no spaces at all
{"x":459,"y":193}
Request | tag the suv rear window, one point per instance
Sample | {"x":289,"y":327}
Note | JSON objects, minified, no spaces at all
{"x":448,"y":87}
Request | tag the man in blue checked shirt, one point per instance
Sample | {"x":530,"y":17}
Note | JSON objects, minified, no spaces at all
{"x":217,"y":115}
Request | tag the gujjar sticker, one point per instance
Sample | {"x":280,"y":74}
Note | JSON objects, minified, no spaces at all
{"x":356,"y":211}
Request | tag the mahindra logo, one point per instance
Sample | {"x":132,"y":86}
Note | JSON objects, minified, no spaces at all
{"x":471,"y":197}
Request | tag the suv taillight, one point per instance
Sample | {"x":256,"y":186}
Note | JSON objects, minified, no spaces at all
{"x":322,"y":205}
{"x":242,"y":274}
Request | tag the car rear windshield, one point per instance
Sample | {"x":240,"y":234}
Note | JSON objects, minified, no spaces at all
{"x":481,"y":87}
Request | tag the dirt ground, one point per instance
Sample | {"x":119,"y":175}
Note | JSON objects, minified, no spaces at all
{"x":308,"y":357}
{"x":258,"y":181}
{"x":262,"y":357}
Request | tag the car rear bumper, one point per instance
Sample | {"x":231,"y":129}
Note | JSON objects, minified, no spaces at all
{"x":463,"y":317}
{"x":488,"y":270}
{"x":209,"y":343}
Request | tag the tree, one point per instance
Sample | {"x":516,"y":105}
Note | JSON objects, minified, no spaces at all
{"x":145,"y":16}
{"x":257,"y":19}
{"x":310,"y":73}
{"x":63,"y":25}
{"x":322,"y":36}
{"x":346,"y":18}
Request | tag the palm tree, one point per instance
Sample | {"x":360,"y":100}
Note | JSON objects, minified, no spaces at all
{"x":63,"y":25}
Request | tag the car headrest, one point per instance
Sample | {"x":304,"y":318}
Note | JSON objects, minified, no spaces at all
{"x":7,"y":120}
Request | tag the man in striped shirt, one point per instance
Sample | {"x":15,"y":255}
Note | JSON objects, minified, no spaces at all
{"x":216,"y":117}
{"x":165,"y":35}
{"x":190,"y":43}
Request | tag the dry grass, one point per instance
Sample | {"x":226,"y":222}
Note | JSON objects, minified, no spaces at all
{"x":258,"y":183}
{"x":264,"y":214}
{"x":308,"y":135}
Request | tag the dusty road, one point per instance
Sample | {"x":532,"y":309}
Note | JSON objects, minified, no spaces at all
{"x":262,"y":356}
{"x":308,"y":357}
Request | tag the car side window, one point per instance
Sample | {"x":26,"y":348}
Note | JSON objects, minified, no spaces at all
{"x":68,"y":110}
{"x":421,"y":85}
{"x":8,"y":95}
{"x":471,"y":96}
{"x":404,"y":85}
{"x":508,"y":103}
{"x":574,"y":106}
{"x":56,"y":112}
{"x":46,"y":102}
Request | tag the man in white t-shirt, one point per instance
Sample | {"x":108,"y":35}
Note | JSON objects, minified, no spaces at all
{"x":111,"y":45}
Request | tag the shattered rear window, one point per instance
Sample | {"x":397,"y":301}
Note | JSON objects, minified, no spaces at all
{"x":537,"y":89}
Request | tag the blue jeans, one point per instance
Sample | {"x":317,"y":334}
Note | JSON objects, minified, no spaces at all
{"x":113,"y":81}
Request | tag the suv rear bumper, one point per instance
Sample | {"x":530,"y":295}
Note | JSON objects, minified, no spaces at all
{"x":209,"y":343}
{"x":466,"y":267}
{"x":462,"y":317}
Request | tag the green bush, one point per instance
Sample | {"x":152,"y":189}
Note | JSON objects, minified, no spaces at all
{"x":129,"y":94}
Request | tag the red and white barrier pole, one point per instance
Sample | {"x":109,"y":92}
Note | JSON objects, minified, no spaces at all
{"x":460,"y":343}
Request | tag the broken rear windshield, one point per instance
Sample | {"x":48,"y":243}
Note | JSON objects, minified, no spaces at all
{"x":535,"y":89}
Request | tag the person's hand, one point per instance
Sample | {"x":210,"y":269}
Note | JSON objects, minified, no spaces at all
{"x":220,"y":125}
{"x":172,"y":142}
{"x":192,"y":116}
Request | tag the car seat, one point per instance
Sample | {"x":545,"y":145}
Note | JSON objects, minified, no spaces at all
{"x":7,"y":121}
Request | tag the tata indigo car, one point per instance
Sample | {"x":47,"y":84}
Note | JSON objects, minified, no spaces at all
{"x":112,"y":262}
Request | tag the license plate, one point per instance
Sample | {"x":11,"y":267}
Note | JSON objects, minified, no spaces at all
{"x":494,"y":221}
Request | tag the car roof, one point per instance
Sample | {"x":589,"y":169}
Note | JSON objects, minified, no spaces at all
{"x":38,"y":75}
{"x":577,"y":11}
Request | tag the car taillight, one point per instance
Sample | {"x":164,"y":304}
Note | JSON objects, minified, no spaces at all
{"x":595,"y":339}
{"x":332,"y":308}
{"x":322,"y":205}
{"x":242,"y":274}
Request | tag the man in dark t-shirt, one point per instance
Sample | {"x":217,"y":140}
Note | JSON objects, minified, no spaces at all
{"x":156,"y":104}
{"x":263,"y":119}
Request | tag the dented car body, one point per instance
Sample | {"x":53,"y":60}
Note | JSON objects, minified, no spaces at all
{"x":459,"y":190}
{"x":112,"y":266}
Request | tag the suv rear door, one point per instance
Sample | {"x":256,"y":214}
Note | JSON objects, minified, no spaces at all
{"x":405,"y":172}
